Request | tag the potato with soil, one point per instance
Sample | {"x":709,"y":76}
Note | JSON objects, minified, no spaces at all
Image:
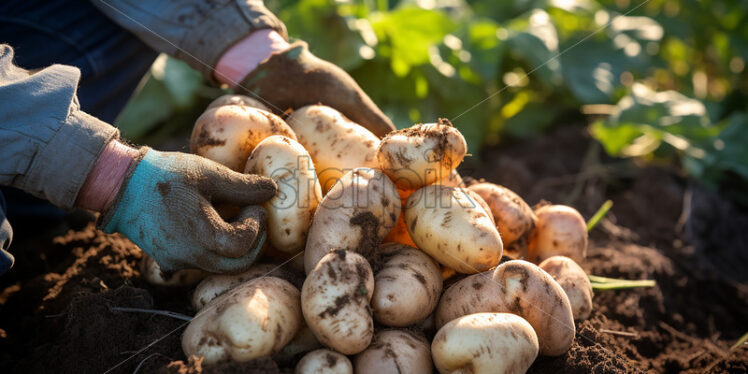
{"x":574,"y":281}
{"x":421,"y":154}
{"x":491,"y":343}
{"x":337,"y":145}
{"x":228,"y":134}
{"x":406,"y":287}
{"x":152,"y":273}
{"x":453,"y":228}
{"x":514,"y":218}
{"x":324,"y":361}
{"x":517,"y":287}
{"x":355,"y":216}
{"x":238,"y":100}
{"x":559,"y":231}
{"x":290,"y":211}
{"x":218,"y":284}
{"x":335,"y":301}
{"x":255,"y":319}
{"x":395,"y":351}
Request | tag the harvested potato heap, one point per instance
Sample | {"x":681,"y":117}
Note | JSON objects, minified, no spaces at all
{"x":380,"y":224}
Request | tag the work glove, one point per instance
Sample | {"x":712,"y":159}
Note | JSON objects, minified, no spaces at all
{"x":295,"y":77}
{"x":165,"y":207}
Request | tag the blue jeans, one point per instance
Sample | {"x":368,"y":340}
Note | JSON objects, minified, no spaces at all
{"x":73,"y":32}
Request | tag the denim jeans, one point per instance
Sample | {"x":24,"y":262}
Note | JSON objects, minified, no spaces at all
{"x":112,"y":62}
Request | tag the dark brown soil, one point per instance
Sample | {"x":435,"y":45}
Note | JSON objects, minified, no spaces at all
{"x":56,"y":316}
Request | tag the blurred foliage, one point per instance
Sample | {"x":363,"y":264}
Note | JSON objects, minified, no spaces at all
{"x":667,"y":77}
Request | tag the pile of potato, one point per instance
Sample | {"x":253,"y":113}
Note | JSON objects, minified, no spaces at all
{"x":382,"y":224}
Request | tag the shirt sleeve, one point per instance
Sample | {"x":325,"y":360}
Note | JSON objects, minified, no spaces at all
{"x":195,"y":31}
{"x":47,"y":144}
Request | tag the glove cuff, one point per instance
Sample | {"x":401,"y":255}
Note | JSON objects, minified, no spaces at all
{"x":106,"y":217}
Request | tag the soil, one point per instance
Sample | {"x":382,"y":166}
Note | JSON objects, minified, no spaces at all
{"x":56,"y":304}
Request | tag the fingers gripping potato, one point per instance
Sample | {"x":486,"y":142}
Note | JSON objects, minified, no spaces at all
{"x":395,"y":351}
{"x":355,"y":215}
{"x":335,"y":301}
{"x":257,"y":318}
{"x":324,"y":361}
{"x":407,"y":287}
{"x":574,"y":281}
{"x":228,"y":134}
{"x":451,"y":226}
{"x":560,"y":230}
{"x":514,"y":218}
{"x":238,"y":100}
{"x":290,"y":210}
{"x":421,"y":154}
{"x":336,"y":144}
{"x":491,"y":343}
{"x":152,"y":273}
{"x":217,"y":284}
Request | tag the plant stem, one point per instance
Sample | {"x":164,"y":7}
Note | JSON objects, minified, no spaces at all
{"x":599,"y":214}
{"x":603,"y":283}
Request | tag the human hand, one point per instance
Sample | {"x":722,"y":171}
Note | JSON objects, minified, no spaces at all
{"x":165,"y":207}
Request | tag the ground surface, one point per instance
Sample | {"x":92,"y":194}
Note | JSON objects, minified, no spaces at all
{"x":55,"y":304}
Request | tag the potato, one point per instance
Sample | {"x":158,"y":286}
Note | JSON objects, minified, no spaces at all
{"x":492,"y":343}
{"x":290,"y":211}
{"x":337,"y":144}
{"x":303,"y":342}
{"x":533,"y":294}
{"x":217,"y":284}
{"x":324,"y":361}
{"x":335,"y":301}
{"x":574,"y":281}
{"x":421,"y":154}
{"x":560,"y":230}
{"x":517,"y":287}
{"x":406,"y":287}
{"x":237,"y":100}
{"x":474,"y":294}
{"x":453,"y":179}
{"x":255,"y":319}
{"x":152,"y":273}
{"x":355,"y":215}
{"x":228,"y":134}
{"x":395,"y":351}
{"x":452,"y":227}
{"x":514,"y":218}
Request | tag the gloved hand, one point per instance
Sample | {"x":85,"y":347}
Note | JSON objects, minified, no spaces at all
{"x":295,"y":78}
{"x":165,"y":208}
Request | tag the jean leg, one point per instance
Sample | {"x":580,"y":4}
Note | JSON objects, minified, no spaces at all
{"x":6,"y":236}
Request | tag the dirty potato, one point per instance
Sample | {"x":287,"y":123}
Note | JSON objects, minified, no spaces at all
{"x":514,"y":218}
{"x":255,"y":319}
{"x":335,"y":301}
{"x":228,"y":134}
{"x":355,"y":215}
{"x":473,"y":294}
{"x":237,"y":100}
{"x":421,"y":154}
{"x":324,"y":361}
{"x":574,"y":281}
{"x":451,"y":226}
{"x":217,"y":284}
{"x":395,"y":351}
{"x":290,"y":211}
{"x":406,"y":287}
{"x":560,"y":231}
{"x":337,"y":145}
{"x":152,"y":273}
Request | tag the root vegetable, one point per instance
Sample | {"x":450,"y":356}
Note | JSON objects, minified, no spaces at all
{"x":237,"y":100}
{"x":335,"y":301}
{"x":217,"y":284}
{"x":514,"y":218}
{"x":451,"y":226}
{"x":152,"y":273}
{"x":407,"y":287}
{"x":453,"y":179}
{"x":303,"y":342}
{"x":421,"y":154}
{"x":228,"y":134}
{"x":395,"y":351}
{"x":560,"y":230}
{"x":479,"y":343}
{"x":355,"y":215}
{"x":517,"y":287}
{"x":574,"y":281}
{"x":290,"y":211}
{"x":336,"y":144}
{"x":324,"y":361}
{"x":255,"y":319}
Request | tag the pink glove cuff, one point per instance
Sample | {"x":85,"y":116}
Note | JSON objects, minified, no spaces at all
{"x":245,"y":55}
{"x":106,"y":177}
